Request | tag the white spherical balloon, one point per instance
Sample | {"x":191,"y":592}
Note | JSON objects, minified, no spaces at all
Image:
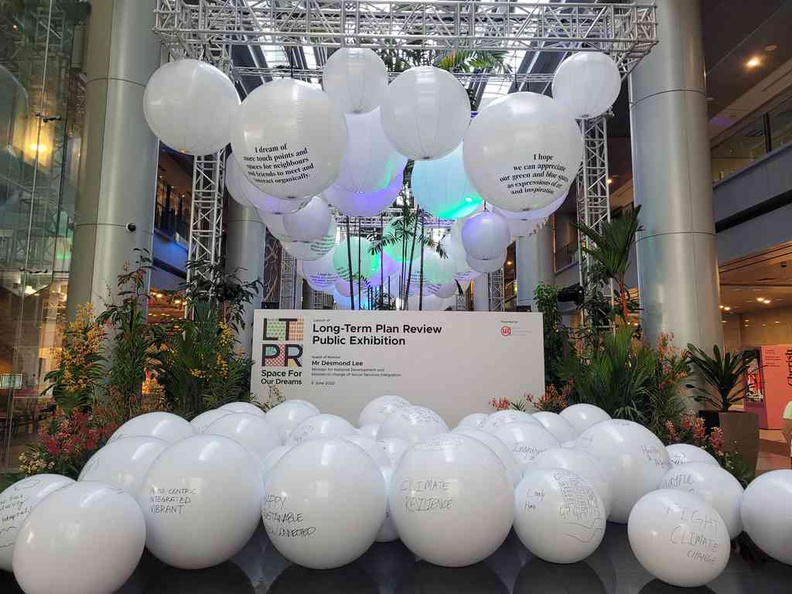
{"x":364,"y":264}
{"x":378,"y":409}
{"x":372,"y":448}
{"x":269,"y":461}
{"x":310,"y":223}
{"x":633,"y":458}
{"x":767,"y":513}
{"x":124,"y":463}
{"x":275,"y":226}
{"x":683,"y":453}
{"x":524,"y":152}
{"x":320,"y":272}
{"x":451,"y":500}
{"x":473,"y":421}
{"x":244,"y":407}
{"x":388,"y":531}
{"x":307,"y":251}
{"x":324,"y":503}
{"x":532,"y":215}
{"x":287,"y":415}
{"x":16,"y":503}
{"x":394,"y":447}
{"x":579,"y":463}
{"x":587,"y":84}
{"x":86,"y":537}
{"x":370,"y":430}
{"x":244,"y":192}
{"x":412,"y":424}
{"x":253,"y":432}
{"x":583,"y":416}
{"x":370,"y":162}
{"x":162,"y":425}
{"x":355,"y":78}
{"x":525,"y":441}
{"x":320,"y":426}
{"x":678,"y":538}
{"x":201,"y":499}
{"x":289,"y":138}
{"x":513,"y":469}
{"x":438,"y":270}
{"x":447,"y":290}
{"x":425,"y":113}
{"x":190,"y":106}
{"x":369,"y":204}
{"x":561,"y":429}
{"x":202,"y":421}
{"x":502,"y":417}
{"x":713,"y":484}
{"x":442,"y":188}
{"x":558,"y":515}
{"x":485,"y":266}
{"x":485,"y":235}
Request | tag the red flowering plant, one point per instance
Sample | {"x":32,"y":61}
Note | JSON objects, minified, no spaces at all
{"x":66,"y":442}
{"x":552,"y":401}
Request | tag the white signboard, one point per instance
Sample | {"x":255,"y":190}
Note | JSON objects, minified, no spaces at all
{"x":452,"y":362}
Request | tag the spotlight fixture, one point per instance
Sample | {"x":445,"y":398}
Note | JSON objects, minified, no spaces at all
{"x":754,"y":62}
{"x":760,"y":299}
{"x":727,"y":308}
{"x":508,"y":262}
{"x":609,"y":181}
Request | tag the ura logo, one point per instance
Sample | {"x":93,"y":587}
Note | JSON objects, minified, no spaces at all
{"x":506,"y":331}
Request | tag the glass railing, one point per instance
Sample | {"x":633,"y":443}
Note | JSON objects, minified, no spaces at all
{"x":763,"y":134}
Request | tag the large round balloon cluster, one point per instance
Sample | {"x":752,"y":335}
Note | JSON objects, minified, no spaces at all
{"x":298,"y":149}
{"x":194,"y":494}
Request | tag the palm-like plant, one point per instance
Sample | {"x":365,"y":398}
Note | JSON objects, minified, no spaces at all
{"x":724,"y":374}
{"x":610,"y":248}
{"x":619,"y":379}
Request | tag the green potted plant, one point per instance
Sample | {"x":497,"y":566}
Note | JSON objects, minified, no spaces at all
{"x":723,"y":378}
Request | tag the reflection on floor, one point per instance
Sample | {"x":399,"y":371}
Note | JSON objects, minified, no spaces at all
{"x":773,"y":451}
{"x":391,"y":569}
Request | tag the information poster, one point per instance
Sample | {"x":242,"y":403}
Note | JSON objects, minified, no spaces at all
{"x":452,"y":362}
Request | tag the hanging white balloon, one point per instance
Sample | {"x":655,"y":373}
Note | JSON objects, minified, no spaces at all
{"x":289,"y":138}
{"x":521,"y":228}
{"x":320,"y":272}
{"x":364,"y":264}
{"x":436,"y":269}
{"x":312,"y":250}
{"x":428,"y":303}
{"x":447,"y":290}
{"x":370,"y":162}
{"x":442,"y":188}
{"x":310,"y":223}
{"x":587,"y":84}
{"x":485,"y":266}
{"x":485,"y":235}
{"x":532,"y":215}
{"x":190,"y":106}
{"x":275,"y":226}
{"x":524,"y":152}
{"x":371,"y":204}
{"x":244,"y":192}
{"x":425,"y":112}
{"x":356,"y":79}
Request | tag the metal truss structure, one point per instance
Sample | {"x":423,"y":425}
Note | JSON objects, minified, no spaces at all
{"x":290,"y":284}
{"x":593,"y":196}
{"x":625,"y":31}
{"x":206,"y":216}
{"x":210,"y":29}
{"x":496,"y":290}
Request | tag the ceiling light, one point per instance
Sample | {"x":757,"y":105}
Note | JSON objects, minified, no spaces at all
{"x":766,"y":301}
{"x":721,"y":307}
{"x":609,"y":181}
{"x":727,"y":308}
{"x":777,"y":322}
{"x":754,"y":62}
{"x":771,"y":48}
{"x":760,"y":299}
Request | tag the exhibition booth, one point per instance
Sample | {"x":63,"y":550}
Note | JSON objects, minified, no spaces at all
{"x":392,"y":443}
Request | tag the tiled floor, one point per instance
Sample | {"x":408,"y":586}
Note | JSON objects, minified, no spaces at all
{"x":392,"y":569}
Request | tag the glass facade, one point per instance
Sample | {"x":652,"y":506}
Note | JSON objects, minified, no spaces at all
{"x":41,"y":99}
{"x":764,"y":133}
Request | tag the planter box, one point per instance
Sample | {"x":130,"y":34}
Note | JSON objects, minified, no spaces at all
{"x":740,"y":432}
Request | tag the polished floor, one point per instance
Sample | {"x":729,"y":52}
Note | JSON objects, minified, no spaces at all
{"x":391,"y":569}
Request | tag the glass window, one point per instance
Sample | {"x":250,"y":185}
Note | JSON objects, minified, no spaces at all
{"x":739,"y":150}
{"x":781,"y":124}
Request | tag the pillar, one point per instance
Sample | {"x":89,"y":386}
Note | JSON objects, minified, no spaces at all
{"x":676,"y":252}
{"x":245,"y":258}
{"x":481,"y":299}
{"x":118,"y":162}
{"x":534,"y":260}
